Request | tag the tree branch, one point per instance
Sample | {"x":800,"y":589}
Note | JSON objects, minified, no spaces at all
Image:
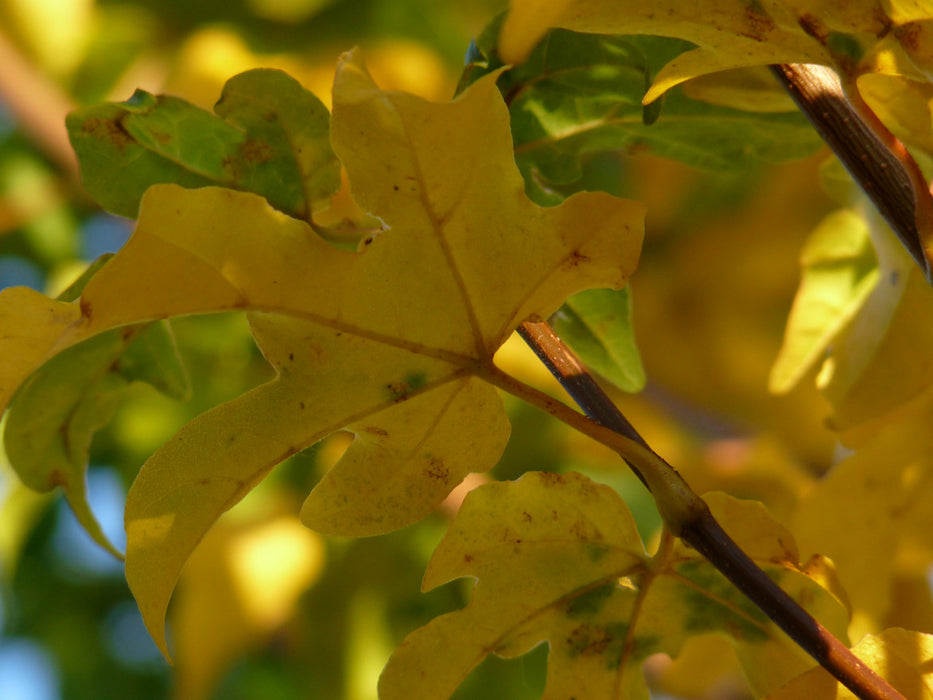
{"x":38,"y":105}
{"x":875,"y":159}
{"x":702,"y":532}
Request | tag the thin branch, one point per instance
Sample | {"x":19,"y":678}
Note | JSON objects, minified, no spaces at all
{"x":877,"y":161}
{"x":694,"y":523}
{"x":38,"y":105}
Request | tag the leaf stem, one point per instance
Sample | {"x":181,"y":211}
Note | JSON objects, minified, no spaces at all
{"x":874,"y":157}
{"x":685,"y":514}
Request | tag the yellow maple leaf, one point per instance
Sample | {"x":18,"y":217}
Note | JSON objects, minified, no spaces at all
{"x":557,"y":558}
{"x":391,"y":343}
{"x":871,"y":513}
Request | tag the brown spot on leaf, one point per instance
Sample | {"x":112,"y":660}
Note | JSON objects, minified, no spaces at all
{"x":398,"y":390}
{"x":107,"y":129}
{"x":577,"y":258}
{"x":255,"y":151}
{"x":467,"y":558}
{"x":552,"y":478}
{"x":813,"y":27}
{"x":757,"y":22}
{"x":57,"y":478}
{"x":86,"y":308}
{"x":909,"y":36}
{"x":526,"y":516}
{"x":375,"y":430}
{"x":589,"y":640}
{"x":437,"y":470}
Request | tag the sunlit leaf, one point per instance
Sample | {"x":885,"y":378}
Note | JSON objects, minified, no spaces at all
{"x":852,"y":37}
{"x":901,"y":656}
{"x":390,"y":343}
{"x":557,"y":558}
{"x":270,"y":136}
{"x":858,"y":377}
{"x":871,"y":513}
{"x":839,"y":271}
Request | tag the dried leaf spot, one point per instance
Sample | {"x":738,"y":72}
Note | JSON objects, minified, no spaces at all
{"x":552,"y":478}
{"x":399,"y":391}
{"x":607,"y":641}
{"x":757,"y":22}
{"x":436,"y":469}
{"x":467,"y":558}
{"x":57,"y":478}
{"x":813,"y":27}
{"x":256,"y":151}
{"x":375,"y":430}
{"x":577,"y":258}
{"x":108,"y":130}
{"x":909,"y":35}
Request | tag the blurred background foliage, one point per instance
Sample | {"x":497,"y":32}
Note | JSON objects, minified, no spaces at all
{"x":267,"y":609}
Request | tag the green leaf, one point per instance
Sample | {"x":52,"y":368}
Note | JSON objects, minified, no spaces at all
{"x":597,"y":324}
{"x":56,"y":412}
{"x":270,"y":136}
{"x":557,"y":558}
{"x":579,"y":94}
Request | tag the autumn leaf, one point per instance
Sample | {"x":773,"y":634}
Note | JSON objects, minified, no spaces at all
{"x":871,"y":513}
{"x":839,"y":271}
{"x":854,"y":38}
{"x":557,"y":558}
{"x":391,"y":343}
{"x":55,"y":413}
{"x":728,"y":35}
{"x":269,"y":136}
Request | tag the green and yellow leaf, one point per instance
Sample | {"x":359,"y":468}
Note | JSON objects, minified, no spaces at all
{"x":557,"y":559}
{"x":391,"y":342}
{"x":581,"y":94}
{"x":56,"y":412}
{"x":854,"y":38}
{"x":269,"y":136}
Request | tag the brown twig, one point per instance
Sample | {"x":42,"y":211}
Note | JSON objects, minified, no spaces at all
{"x":877,"y":161}
{"x":703,"y":532}
{"x":38,"y":105}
